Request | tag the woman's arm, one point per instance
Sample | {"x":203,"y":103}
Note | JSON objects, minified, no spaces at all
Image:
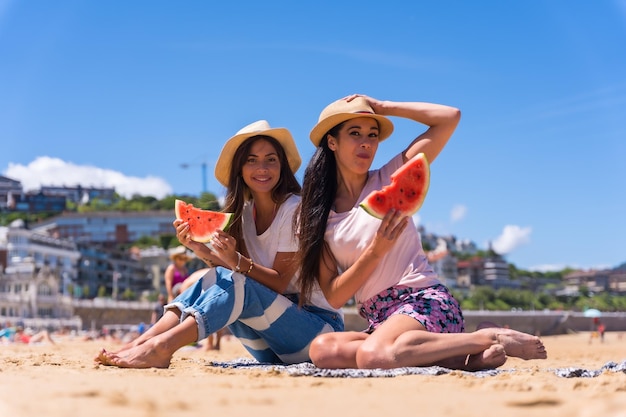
{"x":169,"y":279}
{"x":338,"y":289}
{"x":224,"y":253}
{"x":278,"y":276}
{"x":441,"y":121}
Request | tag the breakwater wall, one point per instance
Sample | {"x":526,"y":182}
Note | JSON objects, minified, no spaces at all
{"x":534,"y":322}
{"x":94,"y":314}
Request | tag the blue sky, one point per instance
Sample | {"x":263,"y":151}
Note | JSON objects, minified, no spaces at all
{"x":121,"y":93}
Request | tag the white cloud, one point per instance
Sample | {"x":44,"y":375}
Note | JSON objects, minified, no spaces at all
{"x":511,"y":238}
{"x":458,"y":213}
{"x":417,"y":219}
{"x":49,"y":171}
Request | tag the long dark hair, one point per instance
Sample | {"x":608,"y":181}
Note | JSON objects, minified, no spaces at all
{"x":238,"y":192}
{"x":319,"y":187}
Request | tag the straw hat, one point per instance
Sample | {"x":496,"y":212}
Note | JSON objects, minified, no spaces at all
{"x":179,"y":251}
{"x":261,"y":127}
{"x":342,"y":110}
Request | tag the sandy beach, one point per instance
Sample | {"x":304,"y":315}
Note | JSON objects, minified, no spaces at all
{"x":61,"y":380}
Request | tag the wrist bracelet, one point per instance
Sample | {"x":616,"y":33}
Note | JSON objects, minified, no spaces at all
{"x":251,"y":266}
{"x":238,"y":267}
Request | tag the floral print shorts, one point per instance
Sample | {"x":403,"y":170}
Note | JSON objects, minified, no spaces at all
{"x":434,"y":307}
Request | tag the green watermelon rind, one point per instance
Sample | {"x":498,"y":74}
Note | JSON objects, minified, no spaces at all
{"x":396,"y":177}
{"x":228,"y":217}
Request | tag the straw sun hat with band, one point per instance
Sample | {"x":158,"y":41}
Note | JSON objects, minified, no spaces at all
{"x":341,"y":110}
{"x":259,"y":128}
{"x":179,"y":251}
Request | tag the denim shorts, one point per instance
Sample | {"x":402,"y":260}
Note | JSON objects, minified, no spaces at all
{"x":271,"y":326}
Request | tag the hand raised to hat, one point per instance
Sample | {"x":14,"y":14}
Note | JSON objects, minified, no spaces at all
{"x":375,"y":104}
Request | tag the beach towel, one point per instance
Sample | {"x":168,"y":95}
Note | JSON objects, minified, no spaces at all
{"x":308,"y":369}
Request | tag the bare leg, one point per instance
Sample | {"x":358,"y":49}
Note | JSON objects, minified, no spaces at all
{"x":210,"y":344}
{"x":336,"y":350}
{"x":42,"y":336}
{"x":156,"y":352}
{"x":214,"y":339}
{"x":402,"y":341}
{"x":170,"y":319}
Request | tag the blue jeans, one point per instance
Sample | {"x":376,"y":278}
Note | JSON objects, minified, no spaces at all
{"x":271,"y":326}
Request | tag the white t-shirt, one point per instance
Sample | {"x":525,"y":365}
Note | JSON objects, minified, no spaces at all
{"x":279,"y":237}
{"x":349,"y":233}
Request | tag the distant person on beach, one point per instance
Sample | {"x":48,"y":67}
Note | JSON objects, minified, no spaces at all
{"x":599,"y":330}
{"x":250,"y":285}
{"x":176,"y":272}
{"x":413,"y":319}
{"x":29,"y":337}
{"x":158,"y":310}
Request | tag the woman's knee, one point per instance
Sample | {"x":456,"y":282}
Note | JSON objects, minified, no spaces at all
{"x":322,"y":349}
{"x":373,"y":355}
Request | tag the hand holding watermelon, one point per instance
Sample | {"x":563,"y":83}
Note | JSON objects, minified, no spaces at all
{"x":406,"y":193}
{"x":195,"y":227}
{"x":202,"y":223}
{"x":392,"y":226}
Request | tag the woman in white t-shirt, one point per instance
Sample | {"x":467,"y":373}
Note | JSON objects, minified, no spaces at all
{"x":413,"y":318}
{"x":250,"y":285}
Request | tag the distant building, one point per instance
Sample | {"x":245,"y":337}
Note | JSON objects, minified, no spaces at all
{"x":470,"y":272}
{"x":113,"y":271}
{"x":597,"y":281}
{"x":49,"y":198}
{"x":10,"y":190}
{"x":31,"y":291}
{"x":109,"y":228}
{"x":81,"y":195}
{"x":60,"y":256}
{"x":445,"y":265}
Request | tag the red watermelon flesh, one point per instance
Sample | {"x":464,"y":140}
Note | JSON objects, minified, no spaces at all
{"x":202,"y":223}
{"x":406,"y":193}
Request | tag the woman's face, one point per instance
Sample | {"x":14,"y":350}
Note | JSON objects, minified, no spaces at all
{"x":356,"y":144}
{"x":261,"y":169}
{"x":180,"y":260}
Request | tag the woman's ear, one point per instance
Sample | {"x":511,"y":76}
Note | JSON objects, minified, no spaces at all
{"x":332,"y":142}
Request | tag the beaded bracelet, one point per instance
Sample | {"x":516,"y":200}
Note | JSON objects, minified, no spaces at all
{"x":251,"y":266}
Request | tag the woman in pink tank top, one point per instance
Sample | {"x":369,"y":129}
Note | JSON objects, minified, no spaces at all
{"x":176,"y":272}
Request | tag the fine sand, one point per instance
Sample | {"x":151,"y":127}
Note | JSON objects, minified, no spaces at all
{"x":61,"y":380}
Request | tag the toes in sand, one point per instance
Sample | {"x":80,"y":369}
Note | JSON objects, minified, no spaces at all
{"x":521,"y":345}
{"x":138,"y":357}
{"x":491,"y":358}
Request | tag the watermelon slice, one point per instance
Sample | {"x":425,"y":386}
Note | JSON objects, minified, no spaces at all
{"x":406,"y":193}
{"x":202,"y":223}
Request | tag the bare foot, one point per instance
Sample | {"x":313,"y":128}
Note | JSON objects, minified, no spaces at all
{"x":521,"y":345}
{"x":141,"y":356}
{"x":491,"y":358}
{"x":517,"y":344}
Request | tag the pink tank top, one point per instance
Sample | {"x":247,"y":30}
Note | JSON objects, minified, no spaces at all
{"x":178,"y":277}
